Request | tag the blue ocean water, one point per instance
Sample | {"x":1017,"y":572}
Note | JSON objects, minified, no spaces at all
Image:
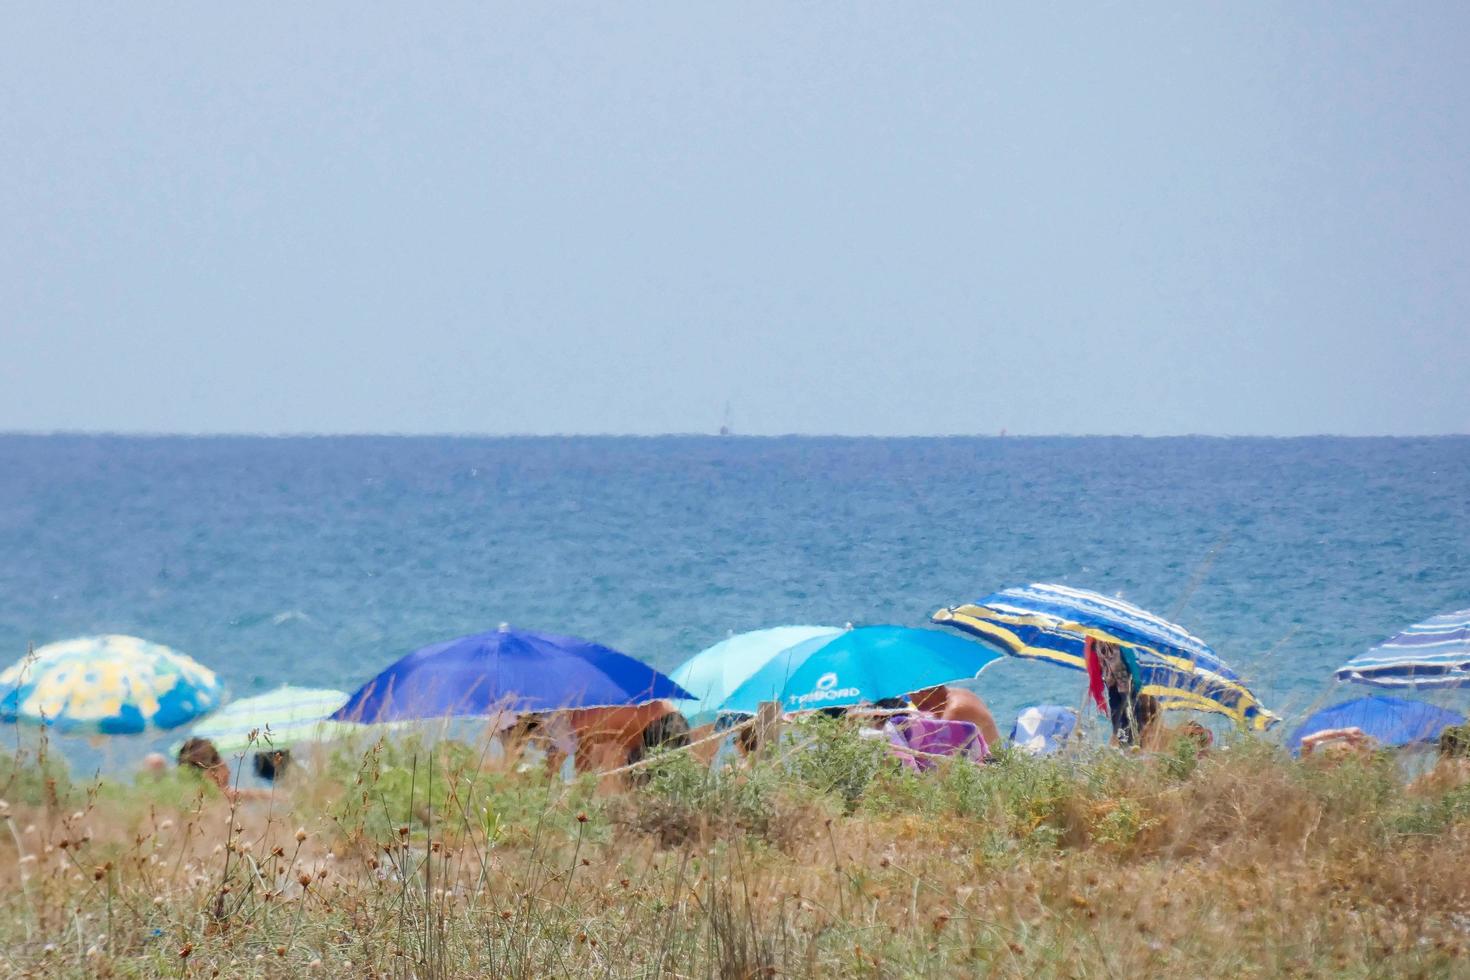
{"x":318,"y":560}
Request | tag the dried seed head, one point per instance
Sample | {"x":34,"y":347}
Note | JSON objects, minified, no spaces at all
{"x":185,"y":950}
{"x":300,"y":834}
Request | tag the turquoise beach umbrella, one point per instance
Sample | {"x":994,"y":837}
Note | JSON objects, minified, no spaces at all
{"x":860,"y":666}
{"x":714,"y":672}
{"x":280,"y":719}
{"x":108,"y":685}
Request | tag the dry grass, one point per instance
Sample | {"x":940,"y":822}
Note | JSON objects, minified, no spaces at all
{"x":403,"y":861}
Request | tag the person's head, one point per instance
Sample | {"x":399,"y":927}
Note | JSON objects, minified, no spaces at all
{"x":526,"y":730}
{"x":1454,"y":742}
{"x":886,"y":709}
{"x":270,"y":764}
{"x":1201,"y":737}
{"x":931,"y":699}
{"x":200,"y":753}
{"x":666,"y":731}
{"x":155,"y":764}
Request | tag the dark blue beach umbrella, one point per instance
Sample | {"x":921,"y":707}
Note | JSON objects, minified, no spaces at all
{"x":1391,"y":721}
{"x":506,"y":671}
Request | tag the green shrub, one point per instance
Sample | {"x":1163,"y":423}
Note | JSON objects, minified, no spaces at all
{"x":36,"y":779}
{"x":833,"y":758}
{"x":682,"y":800}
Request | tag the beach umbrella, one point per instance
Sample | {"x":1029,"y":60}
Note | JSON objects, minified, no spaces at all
{"x":281,"y":718}
{"x":715,"y":671}
{"x":109,"y":685}
{"x":859,"y":665}
{"x":506,"y":671}
{"x":1042,"y":729}
{"x":1391,"y":721}
{"x":1052,"y":623}
{"x":1434,"y":653}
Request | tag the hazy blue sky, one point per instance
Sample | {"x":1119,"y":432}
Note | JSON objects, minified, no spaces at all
{"x":846,"y":218}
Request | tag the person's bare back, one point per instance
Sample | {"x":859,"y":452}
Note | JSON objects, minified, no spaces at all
{"x":605,"y":736}
{"x":959,"y":704}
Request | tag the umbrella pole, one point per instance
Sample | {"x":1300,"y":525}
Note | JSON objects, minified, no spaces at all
{"x":768,"y":728}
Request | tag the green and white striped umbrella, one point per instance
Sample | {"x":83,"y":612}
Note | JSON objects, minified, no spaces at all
{"x":279,"y":719}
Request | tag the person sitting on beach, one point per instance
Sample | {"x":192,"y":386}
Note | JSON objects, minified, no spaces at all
{"x":887,"y":709}
{"x":1452,"y":769}
{"x":667,"y":731}
{"x":549,"y":731}
{"x":1335,"y":745}
{"x":270,"y":765}
{"x":609,"y":738}
{"x":1158,"y":737}
{"x":200,"y":754}
{"x":958,"y":704}
{"x":706,"y":743}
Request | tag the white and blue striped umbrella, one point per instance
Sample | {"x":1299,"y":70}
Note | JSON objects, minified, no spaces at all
{"x":1434,"y":653}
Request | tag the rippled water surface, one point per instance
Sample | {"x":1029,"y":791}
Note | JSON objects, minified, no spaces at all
{"x":316,"y":561}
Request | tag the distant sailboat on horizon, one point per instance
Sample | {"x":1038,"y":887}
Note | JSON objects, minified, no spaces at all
{"x":725,"y":425}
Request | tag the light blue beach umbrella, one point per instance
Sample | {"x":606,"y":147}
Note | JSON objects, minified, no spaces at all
{"x":860,"y":666}
{"x":107,"y":685}
{"x":1434,"y":653}
{"x":278,"y":719}
{"x":712,"y":674}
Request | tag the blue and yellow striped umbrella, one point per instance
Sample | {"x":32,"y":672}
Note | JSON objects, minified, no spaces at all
{"x":109,"y":685}
{"x":1052,"y":622}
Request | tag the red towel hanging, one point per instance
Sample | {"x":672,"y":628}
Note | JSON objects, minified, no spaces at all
{"x":1094,"y":675}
